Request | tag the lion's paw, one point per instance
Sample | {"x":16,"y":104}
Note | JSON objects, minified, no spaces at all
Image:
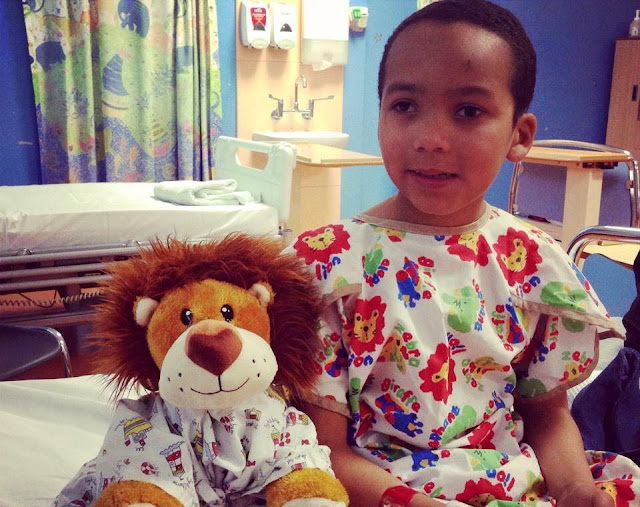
{"x":313,"y":502}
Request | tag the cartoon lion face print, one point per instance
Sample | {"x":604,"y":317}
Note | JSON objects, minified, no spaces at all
{"x":320,"y":241}
{"x":365,"y":329}
{"x":620,"y":490}
{"x":470,"y":247}
{"x":368,"y":321}
{"x":439,"y":375}
{"x":320,"y":244}
{"x":516,"y":260}
{"x":517,"y":255}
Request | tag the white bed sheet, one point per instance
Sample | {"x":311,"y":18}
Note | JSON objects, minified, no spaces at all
{"x":48,"y":429}
{"x":49,"y":217}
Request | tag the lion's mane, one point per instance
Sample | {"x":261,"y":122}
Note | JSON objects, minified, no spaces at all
{"x":120,"y":345}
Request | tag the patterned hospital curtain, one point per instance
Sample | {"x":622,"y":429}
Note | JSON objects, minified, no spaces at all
{"x":126,"y":90}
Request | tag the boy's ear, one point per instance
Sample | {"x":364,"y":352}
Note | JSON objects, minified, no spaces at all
{"x":523,"y":134}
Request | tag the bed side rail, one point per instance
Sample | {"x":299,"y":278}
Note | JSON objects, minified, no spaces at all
{"x":56,"y":288}
{"x":271,"y":185}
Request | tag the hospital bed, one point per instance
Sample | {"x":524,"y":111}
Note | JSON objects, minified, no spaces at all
{"x":56,"y":240}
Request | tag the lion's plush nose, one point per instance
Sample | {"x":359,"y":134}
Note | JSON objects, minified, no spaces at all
{"x":213,"y":345}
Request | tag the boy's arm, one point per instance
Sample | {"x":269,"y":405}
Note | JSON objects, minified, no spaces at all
{"x":554,"y":436}
{"x":365,"y":481}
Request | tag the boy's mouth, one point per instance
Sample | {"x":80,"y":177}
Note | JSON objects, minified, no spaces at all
{"x":433,"y":175}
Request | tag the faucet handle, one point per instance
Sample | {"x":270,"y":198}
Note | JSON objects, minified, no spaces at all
{"x":276,"y":114}
{"x":312,"y":102}
{"x":328,"y":97}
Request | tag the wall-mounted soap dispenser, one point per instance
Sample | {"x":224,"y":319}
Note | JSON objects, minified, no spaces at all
{"x":284,"y":25}
{"x":255,"y":24}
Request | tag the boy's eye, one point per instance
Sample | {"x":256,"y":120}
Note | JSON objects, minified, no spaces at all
{"x":402,"y":106}
{"x":468,"y":111}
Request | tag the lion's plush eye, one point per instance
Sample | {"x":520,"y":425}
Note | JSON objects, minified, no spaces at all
{"x":186,"y":316}
{"x":227,"y":313}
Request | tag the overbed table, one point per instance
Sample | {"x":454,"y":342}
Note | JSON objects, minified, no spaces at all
{"x":583,"y":188}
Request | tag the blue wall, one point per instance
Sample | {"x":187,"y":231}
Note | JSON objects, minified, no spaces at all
{"x":575,"y":43}
{"x":20,"y":161}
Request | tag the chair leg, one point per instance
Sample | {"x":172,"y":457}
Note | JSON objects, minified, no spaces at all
{"x":64,"y":350}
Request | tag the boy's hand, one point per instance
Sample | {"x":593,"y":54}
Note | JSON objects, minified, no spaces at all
{"x":584,"y":495}
{"x":421,"y":500}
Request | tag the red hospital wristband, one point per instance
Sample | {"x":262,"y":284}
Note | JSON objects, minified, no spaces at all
{"x":397,"y":496}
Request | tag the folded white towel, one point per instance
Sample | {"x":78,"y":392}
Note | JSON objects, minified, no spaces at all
{"x":201,"y":193}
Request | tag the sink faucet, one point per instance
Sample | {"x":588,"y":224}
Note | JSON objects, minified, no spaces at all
{"x":295,"y":94}
{"x":307,"y":114}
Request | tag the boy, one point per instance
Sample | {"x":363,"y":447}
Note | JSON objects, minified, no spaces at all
{"x":443,"y":314}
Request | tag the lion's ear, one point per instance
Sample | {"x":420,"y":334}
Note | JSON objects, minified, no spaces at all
{"x":263,"y":292}
{"x":143,"y":309}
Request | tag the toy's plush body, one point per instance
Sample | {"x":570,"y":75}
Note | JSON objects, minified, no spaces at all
{"x":220,"y":333}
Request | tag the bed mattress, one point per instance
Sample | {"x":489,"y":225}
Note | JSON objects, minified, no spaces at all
{"x":43,"y":218}
{"x":49,"y":429}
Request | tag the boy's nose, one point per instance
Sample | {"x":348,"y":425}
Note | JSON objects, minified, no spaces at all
{"x":430,"y":135}
{"x":432,"y":141}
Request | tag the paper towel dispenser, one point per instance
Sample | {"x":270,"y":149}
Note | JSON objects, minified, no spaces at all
{"x":325,"y":33}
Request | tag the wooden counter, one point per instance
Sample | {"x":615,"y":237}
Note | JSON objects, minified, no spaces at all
{"x":563,"y":156}
{"x":328,"y":156}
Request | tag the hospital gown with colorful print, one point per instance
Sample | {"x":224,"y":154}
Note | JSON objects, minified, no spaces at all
{"x":428,"y":337}
{"x":198,"y":457}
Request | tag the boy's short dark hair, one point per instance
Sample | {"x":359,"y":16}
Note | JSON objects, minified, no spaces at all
{"x":492,"y":18}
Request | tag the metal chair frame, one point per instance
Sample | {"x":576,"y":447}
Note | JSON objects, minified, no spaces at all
{"x":618,"y":234}
{"x":25,"y":347}
{"x":633,"y":178}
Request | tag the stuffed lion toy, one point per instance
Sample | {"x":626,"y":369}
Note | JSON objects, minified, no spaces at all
{"x":222,"y":335}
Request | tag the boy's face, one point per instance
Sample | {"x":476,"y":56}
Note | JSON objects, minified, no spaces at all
{"x":446,"y":121}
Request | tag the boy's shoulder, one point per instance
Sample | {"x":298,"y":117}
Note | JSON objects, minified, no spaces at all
{"x":540,"y":273}
{"x":501,"y":222}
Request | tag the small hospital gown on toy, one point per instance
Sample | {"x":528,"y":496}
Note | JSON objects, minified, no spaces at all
{"x":199,"y":458}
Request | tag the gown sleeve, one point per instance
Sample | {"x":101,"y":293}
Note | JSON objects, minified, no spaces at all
{"x":563,"y":350}
{"x":562,"y":353}
{"x":332,"y":391}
